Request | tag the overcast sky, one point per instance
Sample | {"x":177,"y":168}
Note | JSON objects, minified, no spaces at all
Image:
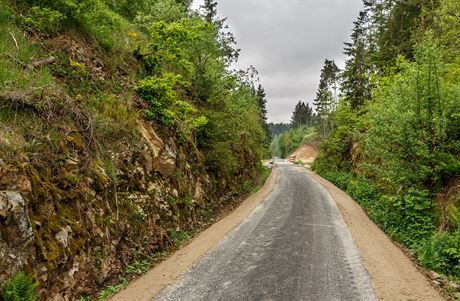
{"x":287,"y":42}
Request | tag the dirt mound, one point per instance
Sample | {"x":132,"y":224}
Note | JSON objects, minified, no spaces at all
{"x":305,"y":153}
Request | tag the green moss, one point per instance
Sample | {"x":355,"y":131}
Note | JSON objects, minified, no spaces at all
{"x":48,"y":249}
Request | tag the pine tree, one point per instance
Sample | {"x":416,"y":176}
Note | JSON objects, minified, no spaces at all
{"x":356,"y":84}
{"x":326,"y":97}
{"x":302,"y":115}
{"x":262,"y":103}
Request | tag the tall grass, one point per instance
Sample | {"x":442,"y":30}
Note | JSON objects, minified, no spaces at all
{"x":15,"y":54}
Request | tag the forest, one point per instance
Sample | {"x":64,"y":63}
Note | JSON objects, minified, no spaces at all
{"x":389,"y":125}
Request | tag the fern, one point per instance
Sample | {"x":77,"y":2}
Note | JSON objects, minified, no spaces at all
{"x":20,"y":288}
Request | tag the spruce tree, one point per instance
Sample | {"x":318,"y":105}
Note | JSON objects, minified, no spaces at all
{"x":356,"y":84}
{"x":302,"y":115}
{"x":326,"y":97}
{"x":262,"y":103}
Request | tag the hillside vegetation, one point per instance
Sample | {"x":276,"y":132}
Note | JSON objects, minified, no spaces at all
{"x":123,"y":131}
{"x":395,"y":143}
{"x":284,"y":144}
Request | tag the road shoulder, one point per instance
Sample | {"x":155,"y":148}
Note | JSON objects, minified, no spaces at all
{"x":393,"y":275}
{"x":165,"y":273}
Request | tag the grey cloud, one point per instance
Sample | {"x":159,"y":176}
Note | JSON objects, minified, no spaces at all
{"x":287,"y":41}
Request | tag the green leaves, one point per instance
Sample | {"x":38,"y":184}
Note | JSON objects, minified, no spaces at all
{"x":164,"y":96}
{"x":190,"y":88}
{"x":20,"y":288}
{"x":441,"y":253}
{"x":44,"y":19}
{"x":405,"y":147}
{"x":410,"y":136}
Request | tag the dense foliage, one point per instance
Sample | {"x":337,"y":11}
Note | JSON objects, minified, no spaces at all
{"x":278,"y":128}
{"x":284,"y":144}
{"x":396,"y":143}
{"x":189,"y":87}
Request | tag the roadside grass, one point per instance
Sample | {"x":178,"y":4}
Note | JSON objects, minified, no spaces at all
{"x":251,"y":187}
{"x":409,"y":219}
{"x":16,"y":52}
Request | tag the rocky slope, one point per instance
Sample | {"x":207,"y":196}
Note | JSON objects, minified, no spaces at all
{"x":87,"y":186}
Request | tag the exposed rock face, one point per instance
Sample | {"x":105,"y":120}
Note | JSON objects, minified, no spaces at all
{"x":75,"y":219}
{"x":16,"y":234}
{"x":12,"y":178}
{"x":165,"y":165}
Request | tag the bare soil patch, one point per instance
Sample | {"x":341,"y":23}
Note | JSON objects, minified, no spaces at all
{"x":305,"y":153}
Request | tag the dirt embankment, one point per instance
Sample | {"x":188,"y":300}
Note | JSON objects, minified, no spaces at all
{"x":306,"y":154}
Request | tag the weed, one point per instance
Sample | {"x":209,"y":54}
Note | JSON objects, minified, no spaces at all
{"x":441,"y":253}
{"x":20,"y":288}
{"x":138,"y":267}
{"x":178,"y":237}
{"x":113,"y":289}
{"x":187,"y":200}
{"x":97,"y":259}
{"x":177,"y":174}
{"x":246,"y":188}
{"x":44,"y":19}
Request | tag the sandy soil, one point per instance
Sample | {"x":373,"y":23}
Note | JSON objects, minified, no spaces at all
{"x":305,"y":153}
{"x":393,"y":275}
{"x":169,"y":270}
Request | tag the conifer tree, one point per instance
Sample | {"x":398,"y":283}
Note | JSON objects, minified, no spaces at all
{"x":326,"y":97}
{"x":302,"y":115}
{"x":262,"y":103}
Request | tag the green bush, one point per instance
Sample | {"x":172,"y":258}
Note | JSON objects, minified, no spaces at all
{"x":163,"y":94}
{"x":337,"y":149}
{"x":44,"y":19}
{"x":178,"y":237}
{"x":441,"y":253}
{"x":413,"y":138}
{"x":408,"y":218}
{"x":20,"y":288}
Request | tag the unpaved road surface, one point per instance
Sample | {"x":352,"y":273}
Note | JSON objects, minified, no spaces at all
{"x":288,"y":242}
{"x":294,"y":246}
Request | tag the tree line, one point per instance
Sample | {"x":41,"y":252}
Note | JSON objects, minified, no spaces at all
{"x":391,"y":133}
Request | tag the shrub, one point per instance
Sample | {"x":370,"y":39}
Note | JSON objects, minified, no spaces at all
{"x":44,"y":19}
{"x":408,"y":218}
{"x":441,"y":253}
